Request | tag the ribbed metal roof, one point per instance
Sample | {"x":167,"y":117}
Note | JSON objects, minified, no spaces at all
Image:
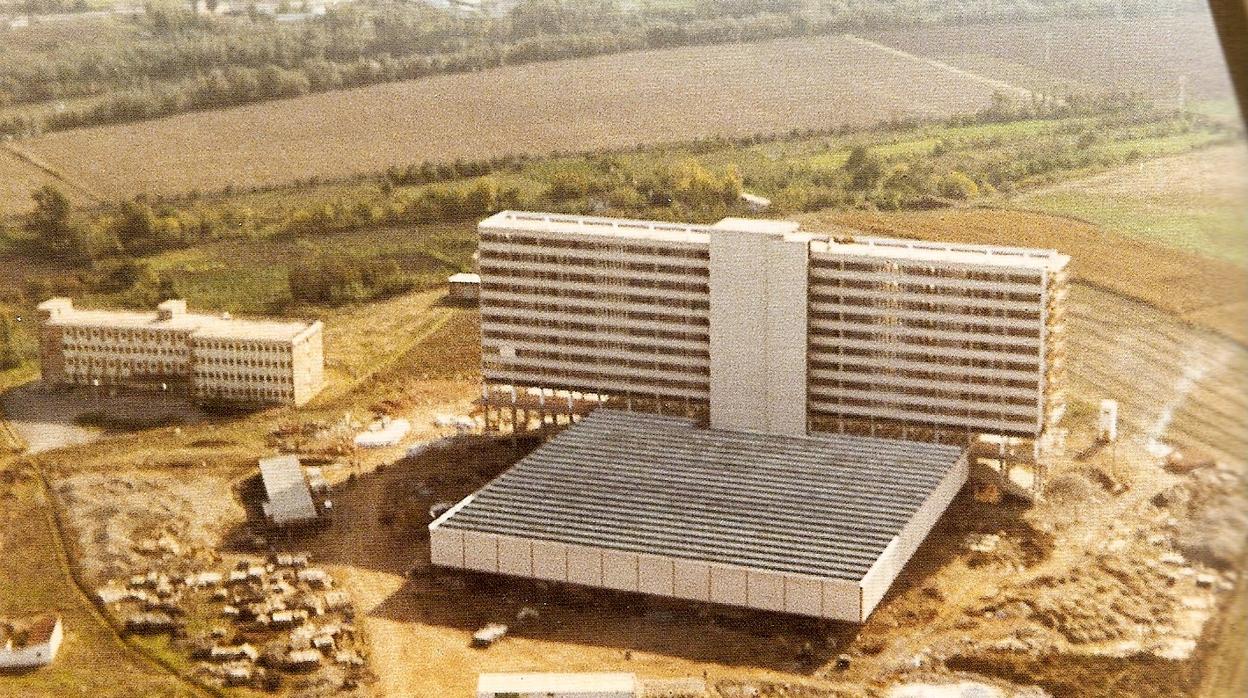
{"x":822,"y":505}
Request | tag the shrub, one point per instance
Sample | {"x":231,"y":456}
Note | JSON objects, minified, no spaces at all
{"x":956,"y":185}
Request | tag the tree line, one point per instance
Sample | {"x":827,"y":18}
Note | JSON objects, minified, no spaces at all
{"x":810,"y":172}
{"x":187,"y":62}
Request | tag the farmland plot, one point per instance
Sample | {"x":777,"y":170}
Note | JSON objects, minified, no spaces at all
{"x":577,"y":105}
{"x":1151,"y":55}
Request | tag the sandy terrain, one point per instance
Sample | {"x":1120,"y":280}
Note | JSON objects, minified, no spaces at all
{"x":48,"y":417}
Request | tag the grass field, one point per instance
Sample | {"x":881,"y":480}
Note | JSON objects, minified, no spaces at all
{"x":18,"y":179}
{"x":1196,"y":202}
{"x":587,"y":104}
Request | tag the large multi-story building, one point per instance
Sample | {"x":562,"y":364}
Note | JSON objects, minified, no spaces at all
{"x":772,"y":335}
{"x":769,"y":328}
{"x":217,"y":358}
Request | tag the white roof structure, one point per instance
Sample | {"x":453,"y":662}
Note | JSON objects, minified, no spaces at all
{"x":811,"y":525}
{"x":289,"y":499}
{"x":64,"y":314}
{"x":840,"y":241}
{"x":464,"y":278}
{"x":612,"y":683}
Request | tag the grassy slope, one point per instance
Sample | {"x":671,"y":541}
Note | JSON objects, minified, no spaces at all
{"x":1196,"y":202}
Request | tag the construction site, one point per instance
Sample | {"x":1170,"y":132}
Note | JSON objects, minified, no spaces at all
{"x":669,"y":514}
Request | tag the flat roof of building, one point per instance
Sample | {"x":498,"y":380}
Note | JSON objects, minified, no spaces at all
{"x":199,"y":324}
{"x":824,"y":506}
{"x":598,"y":225}
{"x":289,"y":498}
{"x":29,"y":631}
{"x":951,"y":252}
{"x":557,"y":683}
{"x":841,"y":241}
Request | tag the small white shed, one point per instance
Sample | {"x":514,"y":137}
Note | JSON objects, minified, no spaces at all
{"x":289,"y":497}
{"x":30,"y":645}
{"x":553,"y":685}
{"x":464,"y":287}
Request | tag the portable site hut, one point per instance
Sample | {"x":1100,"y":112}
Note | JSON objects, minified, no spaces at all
{"x":289,"y":497}
{"x":810,"y":525}
{"x":551,"y":685}
{"x":464,"y":287}
{"x":33,"y":645}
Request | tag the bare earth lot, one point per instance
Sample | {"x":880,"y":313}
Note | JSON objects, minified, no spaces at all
{"x":586,"y":104}
{"x":1105,"y":618}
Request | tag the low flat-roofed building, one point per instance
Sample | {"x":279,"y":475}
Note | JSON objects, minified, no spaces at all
{"x":810,"y":525}
{"x":30,"y":644}
{"x":289,"y":499}
{"x":464,"y":287}
{"x":556,"y":685}
{"x":218,"y":357}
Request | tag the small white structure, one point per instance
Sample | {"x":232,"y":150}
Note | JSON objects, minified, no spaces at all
{"x":755,"y":203}
{"x":464,"y":287}
{"x":386,"y":432}
{"x":31,"y":645}
{"x":1108,"y":424}
{"x":537,"y":685}
{"x":289,"y":498}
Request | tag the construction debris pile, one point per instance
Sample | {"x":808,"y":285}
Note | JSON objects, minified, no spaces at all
{"x":264,"y":619}
{"x":147,"y":520}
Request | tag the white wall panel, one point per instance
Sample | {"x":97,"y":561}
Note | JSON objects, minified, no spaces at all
{"x":765,"y":590}
{"x":728,"y":585}
{"x":738,"y":284}
{"x":803,"y":595}
{"x":619,"y":570}
{"x":842,"y":600}
{"x":584,"y":565}
{"x":691,"y":580}
{"x":654,"y":575}
{"x":515,"y":556}
{"x":550,"y":561}
{"x":480,"y":551}
{"x":446,"y":547}
{"x":786,"y":336}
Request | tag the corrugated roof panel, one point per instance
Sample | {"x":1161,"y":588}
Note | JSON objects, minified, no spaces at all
{"x":820,"y":505}
{"x":287,"y":489}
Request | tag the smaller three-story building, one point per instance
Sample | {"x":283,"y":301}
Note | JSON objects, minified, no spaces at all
{"x":215,"y":358}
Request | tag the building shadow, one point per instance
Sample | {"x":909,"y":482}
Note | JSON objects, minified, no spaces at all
{"x":628,"y":622}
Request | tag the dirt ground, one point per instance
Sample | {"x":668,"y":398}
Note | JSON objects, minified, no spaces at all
{"x":1094,"y":592}
{"x":47,"y":417}
{"x":687,"y":93}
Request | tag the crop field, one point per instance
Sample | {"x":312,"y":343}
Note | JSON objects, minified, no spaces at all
{"x":586,"y":104}
{"x":17,"y":180}
{"x":1150,"y":56}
